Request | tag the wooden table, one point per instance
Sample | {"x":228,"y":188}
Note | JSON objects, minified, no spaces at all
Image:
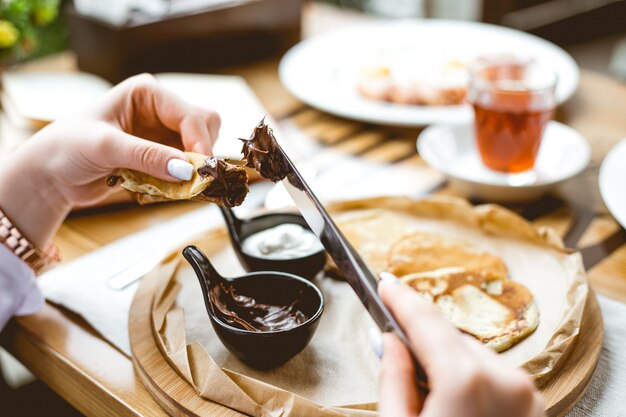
{"x":69,"y":356}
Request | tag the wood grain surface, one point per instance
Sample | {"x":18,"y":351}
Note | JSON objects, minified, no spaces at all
{"x":68,"y":355}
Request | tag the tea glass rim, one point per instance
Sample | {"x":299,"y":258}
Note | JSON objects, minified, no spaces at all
{"x":480,"y":83}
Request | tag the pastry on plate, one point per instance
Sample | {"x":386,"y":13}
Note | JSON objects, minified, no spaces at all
{"x":214,"y":180}
{"x":497,"y":311}
{"x":411,"y":83}
{"x":419,"y":252}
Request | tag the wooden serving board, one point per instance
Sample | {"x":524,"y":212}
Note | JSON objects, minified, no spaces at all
{"x":178,"y":398}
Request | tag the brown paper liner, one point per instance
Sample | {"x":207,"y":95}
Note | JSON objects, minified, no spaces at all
{"x":535,"y":256}
{"x":504,"y":227}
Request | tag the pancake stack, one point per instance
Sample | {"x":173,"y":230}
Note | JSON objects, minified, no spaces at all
{"x":469,"y":285}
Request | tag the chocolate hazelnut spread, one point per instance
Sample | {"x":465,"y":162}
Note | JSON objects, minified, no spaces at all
{"x":263,"y":153}
{"x":246,"y":313}
{"x":227,"y":184}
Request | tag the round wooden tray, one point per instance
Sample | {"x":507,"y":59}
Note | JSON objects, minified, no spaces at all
{"x":178,"y":398}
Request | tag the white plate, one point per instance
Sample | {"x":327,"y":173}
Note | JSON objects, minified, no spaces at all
{"x":452,"y":150}
{"x":612,"y":180}
{"x":323,"y":71}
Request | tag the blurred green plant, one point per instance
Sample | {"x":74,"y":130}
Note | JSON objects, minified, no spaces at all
{"x":29,"y":29}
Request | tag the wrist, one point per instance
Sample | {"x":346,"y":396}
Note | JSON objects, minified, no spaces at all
{"x":31,"y":200}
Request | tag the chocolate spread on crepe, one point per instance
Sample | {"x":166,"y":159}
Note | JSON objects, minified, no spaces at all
{"x":227,"y":184}
{"x":262,"y":153}
{"x":214,"y":180}
{"x":246,"y":313}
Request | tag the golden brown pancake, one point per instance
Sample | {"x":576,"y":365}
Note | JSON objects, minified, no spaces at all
{"x":469,"y":284}
{"x":419,"y":252}
{"x":229,"y":188}
{"x":372,"y":234}
{"x":495,"y":310}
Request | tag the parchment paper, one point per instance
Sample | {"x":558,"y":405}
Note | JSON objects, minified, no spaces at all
{"x":534,"y":256}
{"x":339,"y":367}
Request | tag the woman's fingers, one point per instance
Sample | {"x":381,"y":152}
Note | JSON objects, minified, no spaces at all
{"x":118,"y":149}
{"x":435,"y":342}
{"x":398,"y":392}
{"x":518,"y":395}
{"x":465,"y":378}
{"x":150,"y":105}
{"x":192,"y":127}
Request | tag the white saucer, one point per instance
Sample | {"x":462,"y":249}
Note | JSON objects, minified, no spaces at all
{"x":452,"y":150}
{"x":612,"y":179}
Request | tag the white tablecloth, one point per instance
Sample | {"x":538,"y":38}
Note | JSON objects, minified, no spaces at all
{"x":606,"y":395}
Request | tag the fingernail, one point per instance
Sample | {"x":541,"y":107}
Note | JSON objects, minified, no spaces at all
{"x":389,"y":277}
{"x":376,"y":341}
{"x":180,"y":169}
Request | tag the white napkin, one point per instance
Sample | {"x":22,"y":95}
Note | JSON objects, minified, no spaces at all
{"x":82,"y":285}
{"x":606,"y":395}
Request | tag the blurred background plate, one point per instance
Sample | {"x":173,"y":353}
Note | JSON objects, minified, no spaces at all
{"x":42,"y":97}
{"x":323,"y":71}
{"x":612,"y":180}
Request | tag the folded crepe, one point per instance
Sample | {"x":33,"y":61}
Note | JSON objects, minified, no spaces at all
{"x":214,"y":180}
{"x":469,"y":284}
{"x":387,"y":243}
{"x":372,"y":233}
{"x":419,"y":252}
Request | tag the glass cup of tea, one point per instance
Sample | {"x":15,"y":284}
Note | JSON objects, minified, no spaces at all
{"x":513,"y":102}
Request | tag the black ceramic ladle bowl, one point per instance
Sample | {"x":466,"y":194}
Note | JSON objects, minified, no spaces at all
{"x":306,"y":266}
{"x":261,"y":349}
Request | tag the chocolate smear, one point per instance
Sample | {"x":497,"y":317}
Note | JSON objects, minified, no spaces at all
{"x":263,"y":153}
{"x":229,"y":184}
{"x":112,"y":180}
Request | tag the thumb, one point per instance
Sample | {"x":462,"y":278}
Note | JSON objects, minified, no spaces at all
{"x":123,"y":150}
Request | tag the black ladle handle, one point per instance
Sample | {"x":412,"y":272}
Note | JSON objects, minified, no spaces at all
{"x":205,"y":271}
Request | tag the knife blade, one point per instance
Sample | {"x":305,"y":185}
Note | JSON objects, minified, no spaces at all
{"x":356,"y":272}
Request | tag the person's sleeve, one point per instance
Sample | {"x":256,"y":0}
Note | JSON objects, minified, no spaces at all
{"x":19,"y":294}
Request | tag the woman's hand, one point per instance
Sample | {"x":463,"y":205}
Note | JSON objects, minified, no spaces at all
{"x":138,"y":125}
{"x":465,"y":378}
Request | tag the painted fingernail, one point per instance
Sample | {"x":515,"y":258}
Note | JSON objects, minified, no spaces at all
{"x":376,"y":341}
{"x":389,"y":277}
{"x":180,"y":169}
